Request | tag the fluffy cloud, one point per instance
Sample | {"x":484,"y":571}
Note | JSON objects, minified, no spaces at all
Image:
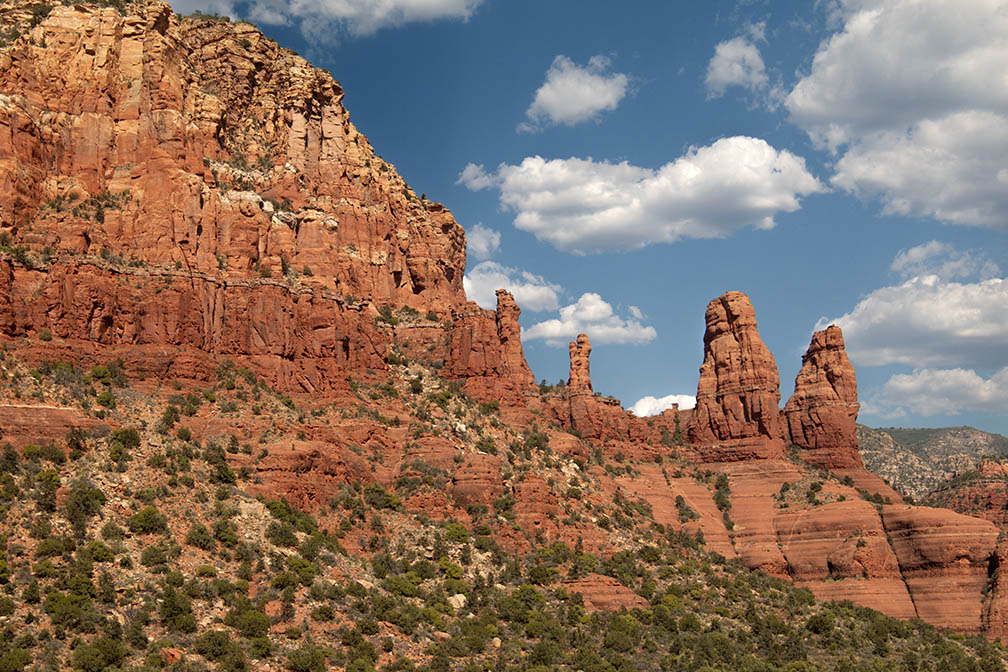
{"x":927,"y":321}
{"x":531,"y":292}
{"x":593,"y":316}
{"x":943,"y":260}
{"x":482,"y":242}
{"x":942,"y":392}
{"x":572,"y":94}
{"x":941,"y":324}
{"x":913,"y":98}
{"x":585,"y":206}
{"x":357,"y":17}
{"x":647,"y":406}
{"x":736,"y":62}
{"x":474,"y":177}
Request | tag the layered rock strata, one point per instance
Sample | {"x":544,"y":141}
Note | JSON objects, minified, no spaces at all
{"x":737,"y":414}
{"x":189,"y":189}
{"x":486,"y":351}
{"x":822,"y":413}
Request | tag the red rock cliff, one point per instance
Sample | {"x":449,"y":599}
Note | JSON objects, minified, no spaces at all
{"x":822,"y":413}
{"x":579,"y":381}
{"x":486,"y":351}
{"x":737,"y":415}
{"x":186,"y":185}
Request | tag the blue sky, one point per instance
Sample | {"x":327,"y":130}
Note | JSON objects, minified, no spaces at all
{"x":618,"y":166}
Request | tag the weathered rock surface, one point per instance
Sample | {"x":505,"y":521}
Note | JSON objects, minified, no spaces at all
{"x":997,"y":608}
{"x":822,"y":413}
{"x":737,"y":415}
{"x":981,"y":491}
{"x":839,"y":551}
{"x":23,"y":425}
{"x":235,"y":153}
{"x":579,"y":381}
{"x":604,"y":593}
{"x":598,"y":418}
{"x":655,"y":486}
{"x":944,"y":558}
{"x":147,"y":148}
{"x":167,"y":324}
{"x":486,"y":351}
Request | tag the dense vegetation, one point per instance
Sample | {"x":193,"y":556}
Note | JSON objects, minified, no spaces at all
{"x":138,"y":548}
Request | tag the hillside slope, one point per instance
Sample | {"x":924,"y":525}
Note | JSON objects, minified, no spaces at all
{"x":916,"y":461}
{"x":251,"y":420}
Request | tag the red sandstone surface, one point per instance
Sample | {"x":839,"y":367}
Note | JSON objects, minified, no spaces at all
{"x":737,"y":414}
{"x":176,"y":200}
{"x":822,"y":412}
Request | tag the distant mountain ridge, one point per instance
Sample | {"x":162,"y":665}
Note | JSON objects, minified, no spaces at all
{"x":915,"y":461}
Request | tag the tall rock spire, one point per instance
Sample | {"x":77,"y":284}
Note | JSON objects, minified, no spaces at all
{"x":737,"y":414}
{"x":822,"y":413}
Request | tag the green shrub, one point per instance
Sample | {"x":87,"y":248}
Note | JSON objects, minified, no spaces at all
{"x":282,"y":534}
{"x":102,"y":653}
{"x":253,"y":624}
{"x":306,"y":659}
{"x":147,"y":520}
{"x":200,"y":537}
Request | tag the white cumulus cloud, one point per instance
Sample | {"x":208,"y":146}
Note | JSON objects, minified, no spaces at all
{"x":482,"y":242}
{"x":647,"y":406}
{"x":585,"y":206}
{"x":736,"y":62}
{"x":474,"y":177}
{"x":573,"y":94}
{"x":531,"y":292}
{"x":948,"y":321}
{"x":590,"y":315}
{"x":943,"y":392}
{"x":913,"y":99}
{"x":927,"y":321}
{"x":317,"y":18}
{"x":943,"y":260}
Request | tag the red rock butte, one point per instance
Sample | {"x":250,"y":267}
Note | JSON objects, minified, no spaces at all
{"x":177,"y":192}
{"x":822,"y":413}
{"x":737,"y":414}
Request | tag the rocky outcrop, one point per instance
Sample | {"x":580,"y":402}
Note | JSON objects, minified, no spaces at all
{"x":604,"y":593}
{"x":997,"y":608}
{"x":839,"y":551}
{"x":737,"y":414}
{"x":23,"y":424}
{"x":486,"y":351}
{"x":822,"y":413}
{"x":477,"y":480}
{"x":944,"y":558}
{"x":981,"y":491}
{"x":142,"y":148}
{"x":579,"y":381}
{"x":598,"y":418}
{"x":177,"y":324}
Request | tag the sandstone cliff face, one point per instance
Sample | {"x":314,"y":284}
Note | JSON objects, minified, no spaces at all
{"x":737,"y":415}
{"x":486,"y":351}
{"x":166,"y":323}
{"x":186,"y":185}
{"x":235,"y":153}
{"x":579,"y":381}
{"x":822,"y":413}
{"x":945,"y":558}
